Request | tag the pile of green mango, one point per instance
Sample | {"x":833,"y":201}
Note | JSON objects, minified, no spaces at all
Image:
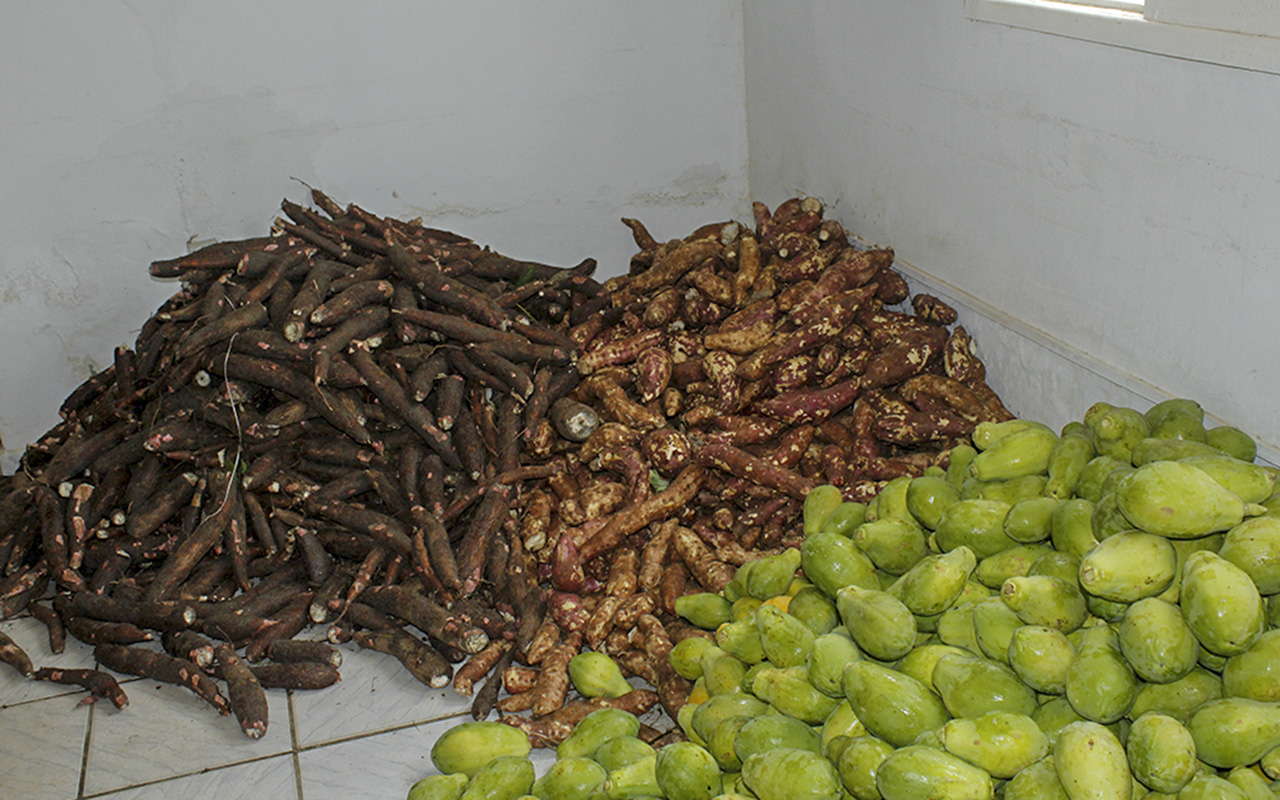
{"x":1088,"y":614}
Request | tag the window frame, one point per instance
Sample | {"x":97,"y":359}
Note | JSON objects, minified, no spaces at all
{"x":1173,"y":28}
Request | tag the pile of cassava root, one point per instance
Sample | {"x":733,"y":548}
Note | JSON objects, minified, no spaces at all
{"x":459,"y":458}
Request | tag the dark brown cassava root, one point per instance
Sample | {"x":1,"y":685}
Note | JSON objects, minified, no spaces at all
{"x":279,"y":444}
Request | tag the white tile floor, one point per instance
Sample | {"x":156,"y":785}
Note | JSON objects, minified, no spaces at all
{"x":368,"y":736}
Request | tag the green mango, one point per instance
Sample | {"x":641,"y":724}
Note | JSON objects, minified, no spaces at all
{"x":1056,"y":564}
{"x":1161,"y":752}
{"x":993,"y":625}
{"x":786,"y":773}
{"x":503,"y":778}
{"x":576,"y":778}
{"x":743,"y":608}
{"x":1211,"y":787}
{"x":717,"y":708}
{"x":1178,"y":500}
{"x":1255,"y":673}
{"x":1174,"y":406}
{"x":633,"y":781}
{"x":1000,"y":742}
{"x":1066,"y":464}
{"x":1153,"y":449}
{"x":972,"y":686}
{"x":594,"y":674}
{"x":707,"y":610}
{"x":994,"y":570}
{"x":1254,"y":546}
{"x":1008,"y":492}
{"x":722,"y":745}
{"x":1180,"y":426}
{"x":976,"y":524}
{"x":922,"y":773}
{"x":785,"y":639}
{"x":769,"y":731}
{"x":845,"y":518}
{"x":1128,"y":566}
{"x":722,"y":673}
{"x":919,"y":663}
{"x":685,"y":771}
{"x":1043,"y":600}
{"x":987,"y":433}
{"x":467,"y":747}
{"x":621,"y":751}
{"x":790,"y":692}
{"x":842,"y":723}
{"x":1211,"y":661}
{"x":1251,"y":783}
{"x":893,"y":706}
{"x":684,"y":718}
{"x":1157,"y":642}
{"x":859,"y":764}
{"x":1094,"y":474}
{"x":597,"y":728}
{"x":1232,"y":441}
{"x":1053,"y":715}
{"x":935,"y":583}
{"x":830,"y":654}
{"x":1030,"y":520}
{"x":1108,"y":520}
{"x":1106,"y":610}
{"x":819,"y":504}
{"x":1101,"y":685}
{"x":927,"y":497}
{"x":1221,"y":604}
{"x":439,"y":787}
{"x":955,"y":628}
{"x":1270,"y":764}
{"x":893,"y":544}
{"x":741,"y":638}
{"x":1180,"y":698}
{"x":1018,"y":454}
{"x":1039,"y":781}
{"x":1071,"y":527}
{"x":736,"y":588}
{"x":958,"y":461}
{"x":1117,"y":429}
{"x":1252,"y":483}
{"x":1091,"y":763}
{"x":831,"y":562}
{"x":1041,"y":656}
{"x":1234,"y":731}
{"x":891,"y":501}
{"x":686,"y":656}
{"x":1184,"y":548}
{"x":1076,"y":428}
{"x":881,"y":625}
{"x":814,"y":609}
{"x":771,"y":576}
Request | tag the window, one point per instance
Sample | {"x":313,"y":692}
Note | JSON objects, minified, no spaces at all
{"x":1234,"y":33}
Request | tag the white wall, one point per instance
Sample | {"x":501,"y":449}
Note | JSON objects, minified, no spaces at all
{"x":128,"y":129}
{"x":1121,"y":208}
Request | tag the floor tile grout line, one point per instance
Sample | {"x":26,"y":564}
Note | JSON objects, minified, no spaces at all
{"x":293,"y":741}
{"x":191,"y":774}
{"x":367,"y":734}
{"x":84,"y":753}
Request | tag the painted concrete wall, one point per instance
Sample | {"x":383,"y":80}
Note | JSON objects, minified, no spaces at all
{"x":129,"y":129}
{"x":1117,"y":208}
